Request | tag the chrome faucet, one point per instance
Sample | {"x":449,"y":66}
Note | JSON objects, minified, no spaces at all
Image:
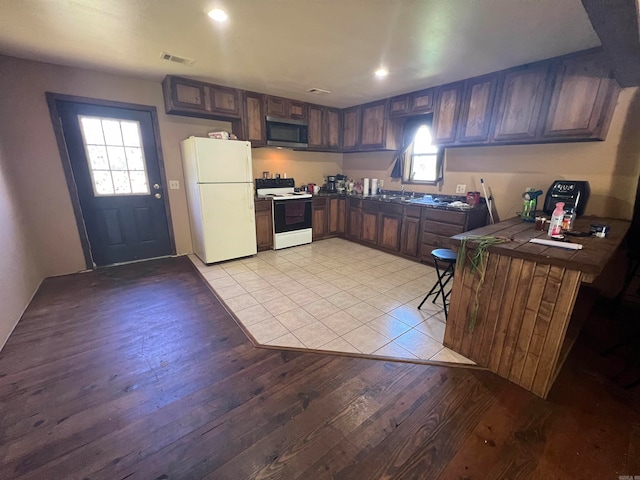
{"x":402,"y":189}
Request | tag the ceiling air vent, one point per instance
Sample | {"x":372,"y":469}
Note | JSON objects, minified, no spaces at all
{"x":318,"y":91}
{"x":175,"y":58}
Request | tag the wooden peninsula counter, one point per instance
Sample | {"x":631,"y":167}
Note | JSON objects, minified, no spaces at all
{"x":522,"y":328}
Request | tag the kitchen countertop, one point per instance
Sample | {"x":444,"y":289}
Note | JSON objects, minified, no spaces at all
{"x":396,"y":198}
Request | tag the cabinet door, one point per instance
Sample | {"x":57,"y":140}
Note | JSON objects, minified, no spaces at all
{"x":399,"y":106}
{"x":410,"y":238}
{"x":578,"y":103}
{"x":354,"y":225}
{"x":183,"y":94}
{"x":369,"y":227}
{"x":519,"y":106}
{"x":254,"y":127}
{"x":445,"y":117}
{"x":350,"y":128}
{"x":319,"y":222}
{"x":374,"y":119}
{"x":422,"y":101}
{"x":390,"y":229}
{"x":477,"y":109}
{"x":276,"y":106}
{"x":315,"y":127}
{"x":337,"y":213}
{"x":296,"y":110}
{"x":264,"y":225}
{"x":333,"y":128}
{"x":224,"y":100}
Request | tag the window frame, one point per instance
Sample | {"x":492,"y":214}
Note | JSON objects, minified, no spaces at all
{"x":412,"y":127}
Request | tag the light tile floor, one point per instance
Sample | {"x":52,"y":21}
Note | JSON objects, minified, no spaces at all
{"x":335,"y":295}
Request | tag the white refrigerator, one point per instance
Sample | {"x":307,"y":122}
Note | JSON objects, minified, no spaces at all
{"x":219,"y":185}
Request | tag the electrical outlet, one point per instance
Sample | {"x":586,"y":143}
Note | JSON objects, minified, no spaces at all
{"x":174,"y":185}
{"x":461,"y":188}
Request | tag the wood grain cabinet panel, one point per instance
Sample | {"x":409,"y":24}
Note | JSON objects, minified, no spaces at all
{"x":374,"y":120}
{"x":315,"y":127}
{"x":225,"y":100}
{"x":333,"y":129}
{"x":354,"y":219}
{"x":264,"y":225}
{"x":253,"y":121}
{"x":337,"y":214}
{"x":350,"y":128}
{"x":324,"y":127}
{"x":422,"y":101}
{"x":399,"y":106}
{"x":319,"y":218}
{"x":581,"y":94}
{"x":285,"y":108}
{"x":477,"y":109}
{"x":190,"y":95}
{"x":390,"y":232}
{"x":445,"y":119}
{"x":369,"y":227}
{"x":520,"y":103}
{"x":410,"y":237}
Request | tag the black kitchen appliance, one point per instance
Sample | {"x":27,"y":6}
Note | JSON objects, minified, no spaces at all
{"x":331,"y":184}
{"x":574,"y":194}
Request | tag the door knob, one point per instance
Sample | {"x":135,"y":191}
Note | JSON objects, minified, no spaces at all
{"x":157,"y":195}
{"x":156,"y":186}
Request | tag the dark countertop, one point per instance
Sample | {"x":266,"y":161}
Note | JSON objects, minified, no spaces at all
{"x":591,"y":260}
{"x":394,"y":198}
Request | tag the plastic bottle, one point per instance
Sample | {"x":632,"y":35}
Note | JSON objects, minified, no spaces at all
{"x":555,"y":226}
{"x":569,"y":218}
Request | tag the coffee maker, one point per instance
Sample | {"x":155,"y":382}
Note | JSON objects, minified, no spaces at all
{"x":331,"y":184}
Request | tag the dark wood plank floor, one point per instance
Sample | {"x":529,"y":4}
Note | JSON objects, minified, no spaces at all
{"x":138,"y":372}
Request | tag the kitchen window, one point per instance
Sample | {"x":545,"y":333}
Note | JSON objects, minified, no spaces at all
{"x":423,"y":160}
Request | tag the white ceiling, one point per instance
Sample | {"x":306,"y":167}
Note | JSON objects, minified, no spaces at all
{"x":285,"y":47}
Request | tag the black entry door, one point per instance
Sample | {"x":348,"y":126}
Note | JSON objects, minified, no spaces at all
{"x":117,"y":175}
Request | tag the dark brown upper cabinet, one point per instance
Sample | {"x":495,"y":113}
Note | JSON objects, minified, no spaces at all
{"x":447,"y":110}
{"x":350,"y":128}
{"x":253,"y":119}
{"x":477,"y":109}
{"x":285,"y":108}
{"x":422,"y":101}
{"x":521,"y":98}
{"x":377,"y":132}
{"x":192,"y":98}
{"x":399,"y":106}
{"x":582,"y":101}
{"x":324,"y":128}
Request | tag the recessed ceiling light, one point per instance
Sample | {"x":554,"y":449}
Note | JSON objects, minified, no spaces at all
{"x":218,"y":15}
{"x":382,"y":72}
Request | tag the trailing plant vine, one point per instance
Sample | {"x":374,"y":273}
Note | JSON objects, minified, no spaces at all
{"x":477,"y":258}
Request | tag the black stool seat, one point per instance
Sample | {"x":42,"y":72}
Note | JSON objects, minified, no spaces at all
{"x":447,"y":257}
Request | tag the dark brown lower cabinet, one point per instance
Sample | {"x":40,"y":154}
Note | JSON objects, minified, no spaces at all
{"x":354,"y":219}
{"x":337,"y":214}
{"x":369,"y":226}
{"x":390,"y":231}
{"x":410,"y":237}
{"x":319,"y":218}
{"x":264,"y":225}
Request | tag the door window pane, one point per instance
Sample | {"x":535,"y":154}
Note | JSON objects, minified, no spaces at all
{"x":115,"y":156}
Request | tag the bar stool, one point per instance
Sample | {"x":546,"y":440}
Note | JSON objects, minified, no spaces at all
{"x":442,"y":256}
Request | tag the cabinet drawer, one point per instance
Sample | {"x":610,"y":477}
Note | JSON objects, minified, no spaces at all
{"x":412,"y":212}
{"x":380,"y":207}
{"x":444,"y":229}
{"x":319,"y":201}
{"x":435,"y":241}
{"x":447,"y":216}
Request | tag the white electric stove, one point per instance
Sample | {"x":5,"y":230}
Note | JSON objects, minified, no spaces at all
{"x":291,"y":211}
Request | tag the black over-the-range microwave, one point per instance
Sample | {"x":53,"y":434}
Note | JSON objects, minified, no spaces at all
{"x":287,"y":133}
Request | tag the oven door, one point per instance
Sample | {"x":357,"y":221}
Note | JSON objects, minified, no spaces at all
{"x":291,"y":215}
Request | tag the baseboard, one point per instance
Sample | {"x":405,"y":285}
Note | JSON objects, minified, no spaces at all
{"x":3,"y":341}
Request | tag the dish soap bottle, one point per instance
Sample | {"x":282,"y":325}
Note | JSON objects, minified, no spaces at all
{"x":555,"y":226}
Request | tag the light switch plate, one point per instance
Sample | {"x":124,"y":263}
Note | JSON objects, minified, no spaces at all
{"x":461,"y":188}
{"x":174,"y":184}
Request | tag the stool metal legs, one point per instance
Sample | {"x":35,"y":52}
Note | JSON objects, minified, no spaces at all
{"x":438,"y":288}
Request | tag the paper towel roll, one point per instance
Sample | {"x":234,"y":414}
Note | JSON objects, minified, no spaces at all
{"x":374,"y":186}
{"x":365,"y":186}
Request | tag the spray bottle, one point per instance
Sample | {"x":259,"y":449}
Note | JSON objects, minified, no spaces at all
{"x":555,"y":226}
